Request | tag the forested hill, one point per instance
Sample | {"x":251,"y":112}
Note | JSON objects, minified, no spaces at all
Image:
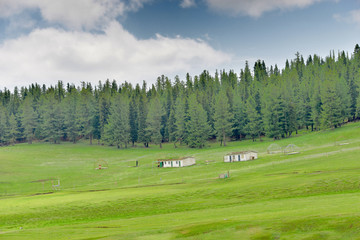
{"x":314,"y":94}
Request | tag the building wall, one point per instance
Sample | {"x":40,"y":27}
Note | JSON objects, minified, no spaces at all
{"x":248,"y":156}
{"x":240,"y":157}
{"x":187,"y":162}
{"x":179,"y":163}
{"x":176,"y":163}
{"x":232,"y":158}
{"x":167,"y":163}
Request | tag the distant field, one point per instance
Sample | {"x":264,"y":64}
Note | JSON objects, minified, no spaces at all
{"x":311,"y":195}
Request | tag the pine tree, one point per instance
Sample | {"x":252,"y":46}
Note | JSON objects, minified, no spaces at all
{"x":223,"y":117}
{"x":86,"y":112}
{"x":72,"y":121}
{"x":104,"y":103}
{"x":245,"y":82}
{"x":2,"y":125}
{"x":303,"y":100}
{"x":355,"y":78}
{"x":53,"y":125}
{"x":95,"y":123}
{"x":240,"y":118}
{"x":171,"y":126}
{"x":13,"y":129}
{"x":167,"y":102}
{"x":198,"y":128}
{"x":117,"y":131}
{"x":104,"y":110}
{"x":291,"y":120}
{"x":180,"y":120}
{"x":133,"y":120}
{"x":331,"y":114}
{"x":142,"y":113}
{"x":343,"y":92}
{"x":356,"y":49}
{"x":29,"y":118}
{"x":316,"y":107}
{"x":254,"y":125}
{"x":273,"y":113}
{"x":153,"y":121}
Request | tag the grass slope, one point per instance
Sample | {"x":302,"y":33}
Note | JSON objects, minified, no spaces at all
{"x":311,"y":195}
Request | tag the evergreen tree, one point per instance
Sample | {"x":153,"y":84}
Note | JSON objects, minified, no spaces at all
{"x":13,"y":129}
{"x":153,"y":121}
{"x":53,"y":125}
{"x":198,"y":128}
{"x":86,"y":112}
{"x":356,"y":49}
{"x":133,"y":120}
{"x":142,"y":113}
{"x":331,"y":114}
{"x":260,"y":72}
{"x":180,"y":120}
{"x":29,"y":119}
{"x":343,"y":92}
{"x":104,"y":109}
{"x":254,"y":124}
{"x":304,"y":96}
{"x":117,"y":131}
{"x":290,"y":117}
{"x":240,"y":118}
{"x":2,"y":125}
{"x":354,"y":83}
{"x":273,"y":113}
{"x":72,"y":121}
{"x":245,"y":82}
{"x":316,"y":107}
{"x":105,"y":91}
{"x":167,"y":102}
{"x":223,"y":117}
{"x":171,"y":126}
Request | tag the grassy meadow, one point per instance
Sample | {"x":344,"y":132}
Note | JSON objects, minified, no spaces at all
{"x":311,"y":195}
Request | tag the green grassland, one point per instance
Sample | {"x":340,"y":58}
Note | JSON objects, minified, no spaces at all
{"x":311,"y":195}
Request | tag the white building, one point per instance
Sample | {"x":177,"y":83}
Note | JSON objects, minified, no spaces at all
{"x":182,"y":162}
{"x":240,"y":156}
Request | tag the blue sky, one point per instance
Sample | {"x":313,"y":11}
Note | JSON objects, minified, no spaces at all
{"x":134,"y":40}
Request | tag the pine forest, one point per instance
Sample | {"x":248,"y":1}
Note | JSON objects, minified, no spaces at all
{"x":314,"y":93}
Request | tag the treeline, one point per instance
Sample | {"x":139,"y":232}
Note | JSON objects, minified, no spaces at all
{"x":266,"y":101}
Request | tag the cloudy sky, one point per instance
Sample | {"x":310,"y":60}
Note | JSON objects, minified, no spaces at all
{"x":45,"y":41}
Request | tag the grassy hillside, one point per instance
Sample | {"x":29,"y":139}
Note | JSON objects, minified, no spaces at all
{"x":311,"y":195}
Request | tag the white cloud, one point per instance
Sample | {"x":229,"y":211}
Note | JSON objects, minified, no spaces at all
{"x":47,"y":55}
{"x":187,"y":3}
{"x":79,"y":14}
{"x":134,"y":5}
{"x":351,"y":17}
{"x":355,"y":16}
{"x":255,"y":8}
